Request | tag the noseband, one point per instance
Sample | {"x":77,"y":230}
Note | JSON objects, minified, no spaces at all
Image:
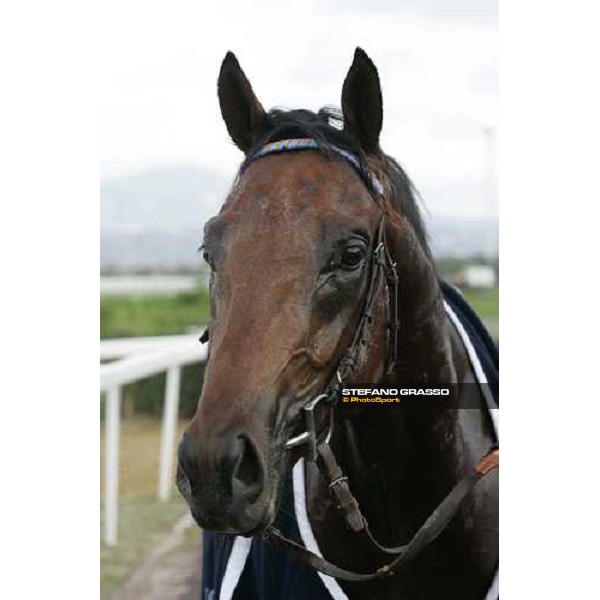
{"x":382,"y":270}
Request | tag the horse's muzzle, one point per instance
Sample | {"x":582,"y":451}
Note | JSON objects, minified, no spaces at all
{"x":224,"y":487}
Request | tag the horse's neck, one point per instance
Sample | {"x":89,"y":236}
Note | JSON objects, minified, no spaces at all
{"x":430,"y":351}
{"x":402,"y":462}
{"x":418,"y":454}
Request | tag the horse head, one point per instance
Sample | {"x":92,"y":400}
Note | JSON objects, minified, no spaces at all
{"x":290,"y":258}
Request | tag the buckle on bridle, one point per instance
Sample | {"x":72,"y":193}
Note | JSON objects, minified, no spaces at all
{"x":310,"y":435}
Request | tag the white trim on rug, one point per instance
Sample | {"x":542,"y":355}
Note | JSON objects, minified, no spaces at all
{"x":235,"y":566}
{"x":477,"y":368}
{"x":306,"y":532}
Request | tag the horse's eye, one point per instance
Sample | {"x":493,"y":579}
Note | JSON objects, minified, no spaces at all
{"x":207,"y":258}
{"x":352,"y":257}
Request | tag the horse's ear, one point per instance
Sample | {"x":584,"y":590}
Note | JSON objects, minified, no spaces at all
{"x":241,"y":110}
{"x":362,"y":104}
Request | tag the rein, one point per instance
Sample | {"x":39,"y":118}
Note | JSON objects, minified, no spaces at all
{"x":427,"y":533}
{"x":382,"y":270}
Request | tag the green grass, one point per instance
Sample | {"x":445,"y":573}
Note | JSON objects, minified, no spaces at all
{"x":131,"y":316}
{"x":485,"y":302}
{"x":142,"y":522}
{"x":139,"y":452}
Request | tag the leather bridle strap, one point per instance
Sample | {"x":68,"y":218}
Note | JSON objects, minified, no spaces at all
{"x":428,"y":532}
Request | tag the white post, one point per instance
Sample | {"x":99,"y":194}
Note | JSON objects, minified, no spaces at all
{"x":169,"y":428}
{"x":111,"y":464}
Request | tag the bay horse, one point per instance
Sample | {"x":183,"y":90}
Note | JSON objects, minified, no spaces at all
{"x":321,"y":272}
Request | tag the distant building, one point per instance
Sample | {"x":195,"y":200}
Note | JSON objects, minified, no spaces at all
{"x":478,"y":276}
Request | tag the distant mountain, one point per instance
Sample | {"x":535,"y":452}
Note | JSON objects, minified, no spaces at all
{"x":462,"y":237}
{"x":154,"y":219}
{"x":148,"y":249}
{"x":175,"y":198}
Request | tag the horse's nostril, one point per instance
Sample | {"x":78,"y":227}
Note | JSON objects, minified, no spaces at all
{"x":248,"y":469}
{"x":242,"y":468}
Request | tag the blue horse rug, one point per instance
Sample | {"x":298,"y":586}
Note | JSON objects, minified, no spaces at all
{"x":239,"y":568}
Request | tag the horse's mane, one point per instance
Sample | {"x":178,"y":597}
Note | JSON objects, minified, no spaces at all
{"x":326,"y":126}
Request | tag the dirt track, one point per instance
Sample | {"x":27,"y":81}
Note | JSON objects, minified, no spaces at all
{"x":172,"y":571}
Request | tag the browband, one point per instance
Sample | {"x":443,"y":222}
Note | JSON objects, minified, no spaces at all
{"x":296,"y":144}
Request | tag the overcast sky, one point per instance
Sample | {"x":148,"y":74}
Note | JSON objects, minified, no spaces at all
{"x":437,"y":60}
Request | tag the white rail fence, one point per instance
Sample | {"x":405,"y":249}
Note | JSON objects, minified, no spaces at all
{"x":137,"y":359}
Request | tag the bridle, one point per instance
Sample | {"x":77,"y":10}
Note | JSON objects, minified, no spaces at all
{"x":382,"y":270}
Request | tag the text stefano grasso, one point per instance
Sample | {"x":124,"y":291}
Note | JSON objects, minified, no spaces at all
{"x":441,"y":391}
